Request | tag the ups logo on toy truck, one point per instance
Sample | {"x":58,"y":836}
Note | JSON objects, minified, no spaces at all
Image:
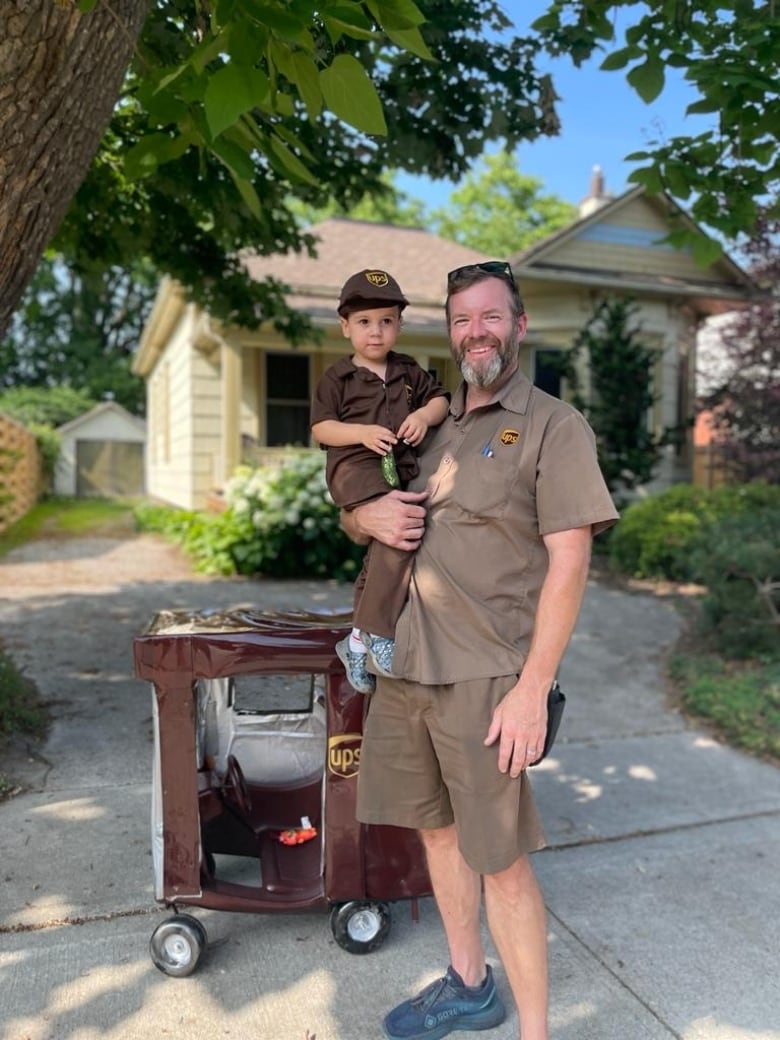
{"x":344,"y":754}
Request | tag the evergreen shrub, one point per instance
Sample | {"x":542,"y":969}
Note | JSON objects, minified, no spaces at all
{"x":738,"y":559}
{"x":656,"y":535}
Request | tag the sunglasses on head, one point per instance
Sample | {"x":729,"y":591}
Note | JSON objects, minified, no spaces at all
{"x":497,"y":268}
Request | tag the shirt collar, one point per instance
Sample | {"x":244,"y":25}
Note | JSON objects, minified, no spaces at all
{"x":513,"y":396}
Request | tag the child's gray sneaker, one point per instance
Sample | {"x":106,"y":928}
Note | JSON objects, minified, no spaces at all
{"x":355,"y":667}
{"x":446,"y":1005}
{"x":380,"y":653}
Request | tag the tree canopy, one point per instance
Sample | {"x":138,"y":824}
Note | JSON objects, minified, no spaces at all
{"x":728,"y":50}
{"x":206,"y":115}
{"x":228,"y":106}
{"x":499,"y":210}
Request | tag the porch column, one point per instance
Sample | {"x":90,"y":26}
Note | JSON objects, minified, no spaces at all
{"x":230,"y":419}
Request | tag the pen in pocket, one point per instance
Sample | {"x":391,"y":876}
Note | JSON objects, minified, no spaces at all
{"x":487,"y":451}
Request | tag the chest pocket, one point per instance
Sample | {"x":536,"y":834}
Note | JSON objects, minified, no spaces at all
{"x":482,"y":483}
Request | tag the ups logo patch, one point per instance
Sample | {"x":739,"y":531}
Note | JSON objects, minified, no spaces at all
{"x":344,"y":754}
{"x":377,"y":278}
{"x":509,"y":436}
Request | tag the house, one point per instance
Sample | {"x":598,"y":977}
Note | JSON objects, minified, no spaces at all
{"x":101,"y":453}
{"x":215,"y":395}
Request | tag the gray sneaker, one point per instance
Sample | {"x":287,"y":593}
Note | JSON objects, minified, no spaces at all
{"x":355,"y":667}
{"x":380,"y":653}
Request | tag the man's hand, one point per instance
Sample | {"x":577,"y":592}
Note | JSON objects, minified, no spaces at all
{"x":520,"y":720}
{"x":397,"y":519}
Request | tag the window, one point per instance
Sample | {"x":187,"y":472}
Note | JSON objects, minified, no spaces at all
{"x":547,"y":371}
{"x":287,"y":399}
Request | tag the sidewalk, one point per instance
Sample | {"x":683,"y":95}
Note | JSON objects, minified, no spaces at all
{"x":660,"y":880}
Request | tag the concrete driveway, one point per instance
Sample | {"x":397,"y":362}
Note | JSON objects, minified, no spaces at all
{"x":661,"y":877}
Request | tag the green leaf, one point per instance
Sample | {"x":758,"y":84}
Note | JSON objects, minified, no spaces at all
{"x":232,"y":91}
{"x":284,"y":24}
{"x":291,"y":164}
{"x":153,"y":150}
{"x":248,"y":194}
{"x":706,"y":250}
{"x":351,"y":21}
{"x":293,"y":141}
{"x":305,"y":75}
{"x":676,"y":177}
{"x":547,"y":23}
{"x":647,"y":79}
{"x":234,"y":156}
{"x":396,"y":14}
{"x":410,"y":40}
{"x":350,"y":95}
{"x":702,"y":106}
{"x":619,"y":59}
{"x":650,"y":176}
{"x":85,"y":6}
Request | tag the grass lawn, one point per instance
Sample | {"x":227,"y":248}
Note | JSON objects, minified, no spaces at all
{"x":71,"y":517}
{"x":740,"y":698}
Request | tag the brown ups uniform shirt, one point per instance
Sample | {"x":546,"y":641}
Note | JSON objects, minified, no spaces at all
{"x":499,"y":479}
{"x":353,"y":394}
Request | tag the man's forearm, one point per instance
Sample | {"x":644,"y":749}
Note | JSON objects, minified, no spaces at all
{"x":559,"y":604}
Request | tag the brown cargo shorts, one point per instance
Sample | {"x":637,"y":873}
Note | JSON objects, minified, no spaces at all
{"x":423,"y":764}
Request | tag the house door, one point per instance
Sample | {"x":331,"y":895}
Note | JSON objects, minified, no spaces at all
{"x":287,"y":399}
{"x":109,"y":468}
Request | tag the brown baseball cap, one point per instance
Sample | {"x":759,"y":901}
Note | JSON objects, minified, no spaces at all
{"x":368,"y":288}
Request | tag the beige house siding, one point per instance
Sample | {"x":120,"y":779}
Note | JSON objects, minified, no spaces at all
{"x":169,"y":406}
{"x":622,"y":247}
{"x":207,"y":423}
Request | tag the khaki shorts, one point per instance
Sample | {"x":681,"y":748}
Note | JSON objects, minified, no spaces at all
{"x":423,"y":764}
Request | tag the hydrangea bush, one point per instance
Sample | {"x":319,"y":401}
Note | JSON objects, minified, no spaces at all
{"x":284,"y":523}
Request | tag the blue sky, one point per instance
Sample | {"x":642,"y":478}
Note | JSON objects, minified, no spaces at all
{"x":602,"y":119}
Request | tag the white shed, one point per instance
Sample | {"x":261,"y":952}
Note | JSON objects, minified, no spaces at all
{"x":101,"y":453}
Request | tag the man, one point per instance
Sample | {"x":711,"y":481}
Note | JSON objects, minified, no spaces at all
{"x":513,"y":497}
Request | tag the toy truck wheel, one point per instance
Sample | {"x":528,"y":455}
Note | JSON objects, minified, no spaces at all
{"x":177,"y":944}
{"x":360,"y":927}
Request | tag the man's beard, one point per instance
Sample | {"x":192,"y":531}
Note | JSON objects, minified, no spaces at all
{"x":486,"y":375}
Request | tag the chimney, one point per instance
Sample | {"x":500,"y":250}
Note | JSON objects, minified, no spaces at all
{"x":597,"y":197}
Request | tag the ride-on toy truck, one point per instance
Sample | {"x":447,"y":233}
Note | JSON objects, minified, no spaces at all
{"x":257,"y":738}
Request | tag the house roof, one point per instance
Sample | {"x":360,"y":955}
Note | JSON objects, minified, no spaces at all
{"x":417,"y":259}
{"x":594,"y":250}
{"x":101,"y":409}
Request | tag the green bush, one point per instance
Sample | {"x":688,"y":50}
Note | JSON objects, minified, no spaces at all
{"x":283,"y":522}
{"x":280,"y":521}
{"x":656,"y":535}
{"x":738,"y":559}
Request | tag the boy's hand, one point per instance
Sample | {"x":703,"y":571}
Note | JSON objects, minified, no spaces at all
{"x":413,"y":429}
{"x":378,"y":439}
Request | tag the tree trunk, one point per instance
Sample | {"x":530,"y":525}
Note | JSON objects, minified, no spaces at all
{"x":60,"y":75}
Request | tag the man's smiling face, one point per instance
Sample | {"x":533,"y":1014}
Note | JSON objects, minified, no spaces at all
{"x":484,"y":335}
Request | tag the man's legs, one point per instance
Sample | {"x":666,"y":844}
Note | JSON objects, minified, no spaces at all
{"x":518,"y":924}
{"x":456,"y":888}
{"x":466,"y":996}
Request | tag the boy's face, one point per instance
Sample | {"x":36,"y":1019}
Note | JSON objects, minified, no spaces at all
{"x":372,"y":332}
